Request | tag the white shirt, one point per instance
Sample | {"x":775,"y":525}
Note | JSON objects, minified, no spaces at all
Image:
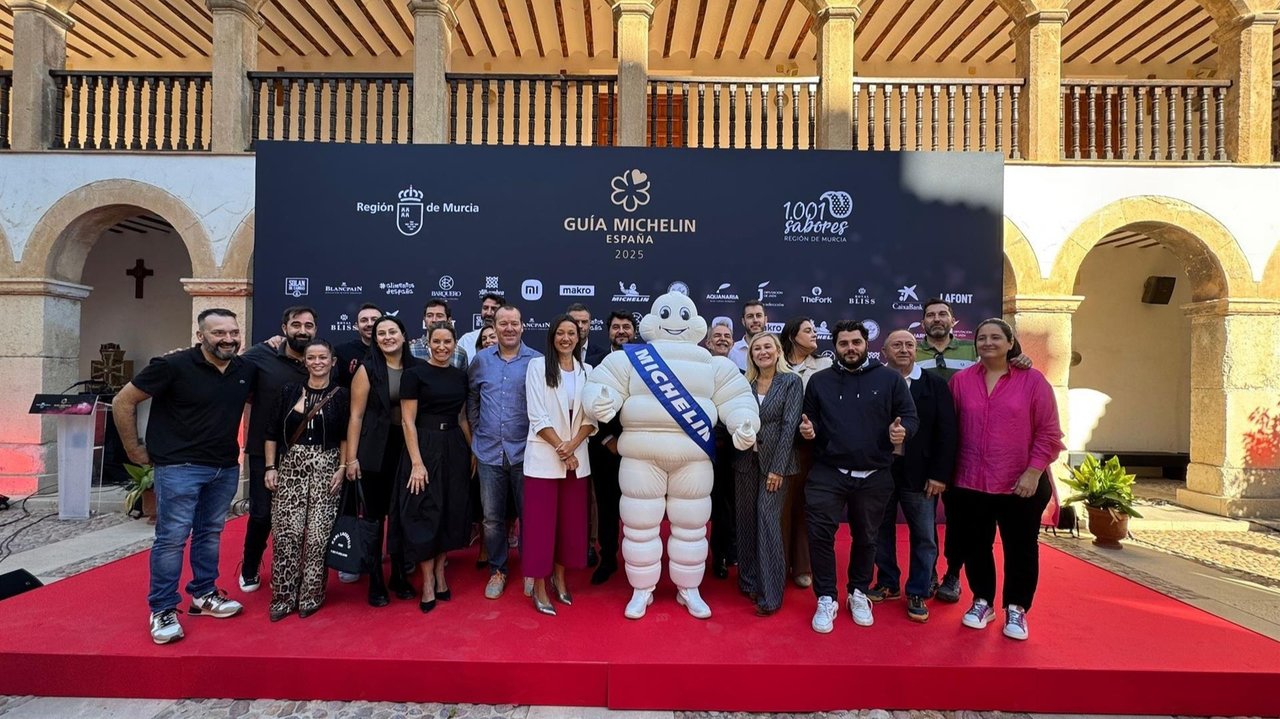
{"x":468,"y":344}
{"x":738,"y":354}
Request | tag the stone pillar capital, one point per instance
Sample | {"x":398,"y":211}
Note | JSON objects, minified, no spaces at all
{"x":1230,"y":30}
{"x":216,"y":287}
{"x":852,"y":14}
{"x":441,"y":8}
{"x":44,"y":286}
{"x":247,"y":9}
{"x":1042,"y":304}
{"x":45,"y":9}
{"x":632,"y":8}
{"x":1231,"y":307}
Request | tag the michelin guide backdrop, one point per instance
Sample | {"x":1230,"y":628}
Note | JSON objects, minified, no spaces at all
{"x":830,"y":235}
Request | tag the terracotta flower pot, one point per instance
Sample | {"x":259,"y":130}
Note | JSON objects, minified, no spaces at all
{"x":1108,"y":529}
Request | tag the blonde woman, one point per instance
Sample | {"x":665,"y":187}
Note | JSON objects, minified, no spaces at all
{"x":762,"y":472}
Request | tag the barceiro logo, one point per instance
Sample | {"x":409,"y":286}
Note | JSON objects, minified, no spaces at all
{"x":409,"y":211}
{"x":630,"y":190}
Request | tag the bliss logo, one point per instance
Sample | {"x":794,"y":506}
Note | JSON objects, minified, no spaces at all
{"x":297,"y":286}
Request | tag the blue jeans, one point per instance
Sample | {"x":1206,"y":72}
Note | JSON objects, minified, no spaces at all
{"x":191,"y":501}
{"x":919,"y":512}
{"x":499,"y":482}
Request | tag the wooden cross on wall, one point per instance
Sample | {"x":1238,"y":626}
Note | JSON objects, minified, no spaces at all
{"x":139,"y":273}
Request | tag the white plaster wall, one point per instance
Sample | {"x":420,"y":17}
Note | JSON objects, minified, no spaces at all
{"x":146,"y":327}
{"x":1132,"y":388}
{"x":219,"y":189}
{"x":1049,"y":202}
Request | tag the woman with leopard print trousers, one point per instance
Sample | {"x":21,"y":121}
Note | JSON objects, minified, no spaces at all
{"x":307,"y":436}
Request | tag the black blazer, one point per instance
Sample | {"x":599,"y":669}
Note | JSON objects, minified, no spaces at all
{"x":377,"y":413}
{"x":596,"y":353}
{"x":931,"y":452}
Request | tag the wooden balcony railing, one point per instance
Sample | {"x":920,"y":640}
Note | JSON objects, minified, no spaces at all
{"x":332,"y":107}
{"x":532,"y":109}
{"x":1275,"y":121}
{"x":1144,"y":120}
{"x":933,"y":114}
{"x":732,"y":112}
{"x":6,"y":84}
{"x":132,"y":111}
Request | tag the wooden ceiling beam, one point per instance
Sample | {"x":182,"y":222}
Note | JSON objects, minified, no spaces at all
{"x":1193,"y":48}
{"x":1182,"y":36}
{"x":279,"y":34}
{"x":197,"y":29}
{"x":909,"y":35}
{"x":511,"y":30}
{"x":887,"y":29}
{"x":126,"y":17}
{"x":533,"y":22}
{"x":1137,"y":30}
{"x":751,"y":30}
{"x":973,"y":26}
{"x":289,"y":18}
{"x":74,"y":34}
{"x":1113,"y":27}
{"x":946,"y":25}
{"x":588,"y":28}
{"x":377,"y":27}
{"x":697,"y":28}
{"x":306,"y":5}
{"x":564,"y":42}
{"x":724,"y":29}
{"x":673,"y":8}
{"x":84,"y":26}
{"x":142,"y":6}
{"x":1004,"y":24}
{"x":400,"y":21}
{"x":1086,"y":22}
{"x":88,"y":8}
{"x":804,"y":33}
{"x":351,"y":27}
{"x":777,"y":29}
{"x":1174,"y":26}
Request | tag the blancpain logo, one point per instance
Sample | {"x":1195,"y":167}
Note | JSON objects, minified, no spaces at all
{"x":343,"y":289}
{"x":723,"y":294}
{"x":815,"y":297}
{"x":396,"y":288}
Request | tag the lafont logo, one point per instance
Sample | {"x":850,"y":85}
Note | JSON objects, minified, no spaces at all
{"x":630,"y":190}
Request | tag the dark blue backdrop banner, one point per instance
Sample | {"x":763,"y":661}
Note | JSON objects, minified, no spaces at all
{"x":830,"y":235}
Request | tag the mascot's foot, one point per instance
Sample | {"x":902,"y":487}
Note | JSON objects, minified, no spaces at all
{"x":691,"y":600}
{"x":640,"y":601}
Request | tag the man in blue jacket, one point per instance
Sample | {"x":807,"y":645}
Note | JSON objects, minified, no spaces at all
{"x":858,"y":412}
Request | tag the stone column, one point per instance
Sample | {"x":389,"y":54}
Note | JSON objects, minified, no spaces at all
{"x":1235,"y":408}
{"x":39,"y":45}
{"x":835,"y":28}
{"x":433,"y":23}
{"x":1043,"y":326}
{"x":39,"y":353}
{"x":1244,"y":52}
{"x":1038,"y":42}
{"x":631,"y":20}
{"x":232,"y":294}
{"x":235,"y":54}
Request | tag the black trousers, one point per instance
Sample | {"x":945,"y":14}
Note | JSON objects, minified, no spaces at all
{"x":724,"y":508}
{"x":376,"y":482}
{"x":604,"y":478}
{"x":826,"y":494}
{"x":977,"y":517}
{"x":258,"y":529}
{"x":951,"y":548}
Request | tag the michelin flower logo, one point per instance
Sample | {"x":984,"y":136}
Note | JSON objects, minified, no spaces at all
{"x":630,"y":190}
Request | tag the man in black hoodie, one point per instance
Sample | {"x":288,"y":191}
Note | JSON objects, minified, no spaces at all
{"x":859,"y":413}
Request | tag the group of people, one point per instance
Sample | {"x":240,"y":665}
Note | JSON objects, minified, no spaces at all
{"x":441,"y":438}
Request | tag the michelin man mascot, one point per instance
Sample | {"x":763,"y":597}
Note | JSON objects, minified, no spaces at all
{"x":669,"y":393}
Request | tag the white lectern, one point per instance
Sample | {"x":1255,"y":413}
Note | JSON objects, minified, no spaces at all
{"x":75,"y":417}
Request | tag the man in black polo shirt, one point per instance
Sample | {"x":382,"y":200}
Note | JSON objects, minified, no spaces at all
{"x":199,"y":397}
{"x":277,"y":366}
{"x":351,"y":354}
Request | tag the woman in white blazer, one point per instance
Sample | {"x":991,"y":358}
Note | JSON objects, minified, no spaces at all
{"x":556,"y":467}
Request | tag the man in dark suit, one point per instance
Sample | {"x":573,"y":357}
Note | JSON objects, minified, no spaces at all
{"x":603,"y":449}
{"x":921,"y":472}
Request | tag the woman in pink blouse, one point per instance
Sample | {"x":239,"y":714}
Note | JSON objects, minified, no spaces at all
{"x":1009,"y":435}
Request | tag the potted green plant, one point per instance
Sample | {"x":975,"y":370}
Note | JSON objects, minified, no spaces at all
{"x":1107,"y":493}
{"x":141,"y":486}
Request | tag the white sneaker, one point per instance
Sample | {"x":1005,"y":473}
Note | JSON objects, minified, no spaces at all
{"x":979,"y":615}
{"x":825,"y":617}
{"x":214,"y":604}
{"x":690,"y":599}
{"x":1015,"y":623}
{"x":249,"y":584}
{"x":348,"y":577}
{"x":165,"y":627}
{"x":640,"y":601}
{"x":860,"y":608}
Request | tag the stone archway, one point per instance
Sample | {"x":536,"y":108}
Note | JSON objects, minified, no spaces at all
{"x":1270,"y":285}
{"x":1021,"y":268}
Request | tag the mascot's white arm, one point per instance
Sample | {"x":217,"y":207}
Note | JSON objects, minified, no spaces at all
{"x":607,"y":387}
{"x":735,"y":403}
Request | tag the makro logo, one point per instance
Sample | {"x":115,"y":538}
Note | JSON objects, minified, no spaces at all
{"x":629,"y":293}
{"x":531,"y":290}
{"x":815,"y":297}
{"x":297,"y":286}
{"x":907,"y":298}
{"x":630,"y":190}
{"x":774,"y":327}
{"x":823,"y":220}
{"x":723,"y":294}
{"x":577,"y":290}
{"x":396,"y":288}
{"x":862,"y":298}
{"x":342,"y":288}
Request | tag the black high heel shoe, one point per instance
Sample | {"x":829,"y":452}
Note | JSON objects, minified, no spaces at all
{"x":426,"y":607}
{"x":445,"y":595}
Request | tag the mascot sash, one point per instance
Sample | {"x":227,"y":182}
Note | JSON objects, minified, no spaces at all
{"x":672,"y":395}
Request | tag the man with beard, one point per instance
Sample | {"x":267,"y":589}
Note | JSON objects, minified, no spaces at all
{"x":489,"y":305}
{"x":724,"y":516}
{"x":754,"y":321}
{"x":437,"y":312}
{"x":276,"y":368}
{"x":603,"y":451}
{"x":351,"y":354}
{"x":199,"y":397}
{"x":857,"y":412}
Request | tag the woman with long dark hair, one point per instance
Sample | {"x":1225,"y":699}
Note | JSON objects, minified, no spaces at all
{"x":556,"y":464}
{"x":429,"y":503}
{"x":800,"y":354}
{"x":375,"y":442}
{"x":305,"y":443}
{"x":1009,"y":435}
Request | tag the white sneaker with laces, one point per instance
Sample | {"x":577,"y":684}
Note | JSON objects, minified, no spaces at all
{"x":249,"y":585}
{"x":860,"y":608}
{"x":1015,"y":623}
{"x":165,"y":627}
{"x":979,"y":615}
{"x":825,"y":616}
{"x":690,"y":599}
{"x":214,"y":604}
{"x":640,"y":601}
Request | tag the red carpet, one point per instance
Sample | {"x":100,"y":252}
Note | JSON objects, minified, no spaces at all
{"x":1099,"y":644}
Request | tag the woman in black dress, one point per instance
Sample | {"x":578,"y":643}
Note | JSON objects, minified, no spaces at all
{"x":429,"y":504}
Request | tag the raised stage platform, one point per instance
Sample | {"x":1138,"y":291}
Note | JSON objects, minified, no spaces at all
{"x":1099,"y":644}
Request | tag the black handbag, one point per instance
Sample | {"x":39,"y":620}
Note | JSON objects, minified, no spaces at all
{"x":350,"y":540}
